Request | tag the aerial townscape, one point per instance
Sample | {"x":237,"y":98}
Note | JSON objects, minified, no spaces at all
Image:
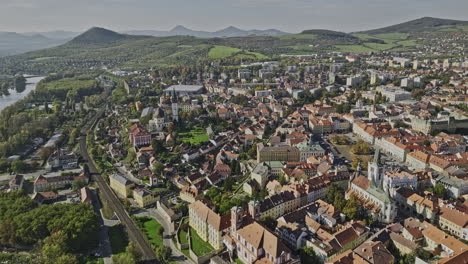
{"x":235,"y":146}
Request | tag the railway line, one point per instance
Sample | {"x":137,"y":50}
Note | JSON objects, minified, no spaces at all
{"x":134,"y":233}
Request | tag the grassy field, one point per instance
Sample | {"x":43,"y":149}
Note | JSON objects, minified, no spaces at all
{"x":151,"y":230}
{"x":118,"y":239}
{"x":219,"y":52}
{"x":195,"y":136}
{"x":199,"y":246}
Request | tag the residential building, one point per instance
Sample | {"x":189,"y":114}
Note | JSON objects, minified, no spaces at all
{"x":253,"y":243}
{"x":260,"y":174}
{"x":62,"y":160}
{"x":144,"y":198}
{"x":454,"y":221}
{"x":310,"y":149}
{"x":16,"y":183}
{"x":121,"y":185}
{"x":370,"y":132}
{"x":86,"y":195}
{"x":394,"y":94}
{"x":52,"y":182}
{"x":395,"y":179}
{"x":209,"y":225}
{"x":277,"y":153}
{"x":139,"y":136}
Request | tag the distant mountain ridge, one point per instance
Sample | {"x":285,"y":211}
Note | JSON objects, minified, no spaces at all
{"x":226,"y":32}
{"x":424,"y":24}
{"x":57,"y":34}
{"x":12,"y":43}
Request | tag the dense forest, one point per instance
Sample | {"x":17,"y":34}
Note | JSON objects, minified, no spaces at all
{"x":54,"y":231}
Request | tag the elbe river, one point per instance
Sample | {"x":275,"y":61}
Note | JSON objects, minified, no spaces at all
{"x":15,"y":97}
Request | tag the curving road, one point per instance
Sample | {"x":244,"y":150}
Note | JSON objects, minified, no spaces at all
{"x":134,"y":233}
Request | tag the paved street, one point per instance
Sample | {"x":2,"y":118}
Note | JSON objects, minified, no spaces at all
{"x":105,"y":249}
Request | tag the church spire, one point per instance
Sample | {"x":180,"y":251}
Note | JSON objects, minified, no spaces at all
{"x":175,"y":106}
{"x":174,"y":96}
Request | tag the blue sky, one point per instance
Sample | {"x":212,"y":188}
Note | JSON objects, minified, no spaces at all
{"x":287,"y":15}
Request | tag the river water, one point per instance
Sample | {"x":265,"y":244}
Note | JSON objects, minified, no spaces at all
{"x":15,"y":97}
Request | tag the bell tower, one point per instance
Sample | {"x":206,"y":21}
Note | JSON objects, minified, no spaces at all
{"x":373,"y":172}
{"x":175,"y":106}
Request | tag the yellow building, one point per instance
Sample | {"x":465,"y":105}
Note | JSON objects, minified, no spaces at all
{"x":438,"y":239}
{"x":144,"y":198}
{"x":278,"y":153}
{"x":208,"y":224}
{"x":121,"y":185}
{"x":454,"y":221}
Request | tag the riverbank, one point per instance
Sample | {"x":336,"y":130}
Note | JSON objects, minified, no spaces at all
{"x":14,"y":96}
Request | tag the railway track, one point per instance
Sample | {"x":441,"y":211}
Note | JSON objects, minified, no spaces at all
{"x":134,"y":233}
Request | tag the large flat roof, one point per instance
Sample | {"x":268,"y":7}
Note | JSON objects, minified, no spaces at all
{"x":184,"y":88}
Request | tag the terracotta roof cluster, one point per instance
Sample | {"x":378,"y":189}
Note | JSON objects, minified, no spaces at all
{"x":440,"y":237}
{"x":260,"y":237}
{"x":138,"y":130}
{"x":378,"y":129}
{"x":453,"y":215}
{"x":275,"y":200}
{"x":374,"y":253}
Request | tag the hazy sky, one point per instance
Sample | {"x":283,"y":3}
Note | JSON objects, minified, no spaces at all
{"x":287,"y":15}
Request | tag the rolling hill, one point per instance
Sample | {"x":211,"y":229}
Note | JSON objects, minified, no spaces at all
{"x":98,"y":36}
{"x":98,"y":47}
{"x":424,"y":24}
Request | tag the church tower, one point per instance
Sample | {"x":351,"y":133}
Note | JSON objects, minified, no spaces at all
{"x":175,"y":106}
{"x":373,"y":172}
